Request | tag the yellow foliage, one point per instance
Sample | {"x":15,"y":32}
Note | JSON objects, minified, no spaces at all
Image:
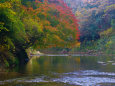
{"x":78,"y":13}
{"x":43,"y":13}
{"x":5,"y":5}
{"x":109,"y":7}
{"x":2,"y":27}
{"x":106,"y":32}
{"x":58,"y":38}
{"x":52,"y":29}
{"x":12,"y":12}
{"x":33,"y":24}
{"x":78,"y":44}
{"x":45,"y":23}
{"x":108,"y":43}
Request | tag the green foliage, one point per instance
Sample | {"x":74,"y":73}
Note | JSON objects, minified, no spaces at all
{"x":97,"y":24}
{"x":106,"y":32}
{"x":2,"y":29}
{"x":109,"y":8}
{"x":27,"y":23}
{"x":95,"y":17}
{"x":113,"y":23}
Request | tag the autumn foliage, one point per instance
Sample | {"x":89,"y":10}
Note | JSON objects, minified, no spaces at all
{"x":36,"y":24}
{"x":59,"y":23}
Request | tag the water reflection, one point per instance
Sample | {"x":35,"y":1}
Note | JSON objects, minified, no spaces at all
{"x":47,"y":64}
{"x":65,"y":71}
{"x":43,"y":65}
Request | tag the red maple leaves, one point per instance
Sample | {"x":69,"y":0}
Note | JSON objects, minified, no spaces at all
{"x":63,"y":13}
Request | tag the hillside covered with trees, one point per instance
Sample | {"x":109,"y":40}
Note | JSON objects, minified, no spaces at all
{"x":36,"y":24}
{"x":96,"y":23}
{"x":79,"y":25}
{"x":57,"y":42}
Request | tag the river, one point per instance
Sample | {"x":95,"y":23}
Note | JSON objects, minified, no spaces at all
{"x":63,"y":71}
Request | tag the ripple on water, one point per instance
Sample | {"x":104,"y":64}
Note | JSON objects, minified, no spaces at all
{"x":91,"y":72}
{"x":113,"y":63}
{"x":85,"y":81}
{"x":86,"y":78}
{"x":106,"y":63}
{"x":24,"y":79}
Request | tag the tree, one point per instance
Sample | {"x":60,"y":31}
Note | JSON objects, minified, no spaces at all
{"x":36,"y":24}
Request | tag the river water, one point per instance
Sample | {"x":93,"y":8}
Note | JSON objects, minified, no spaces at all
{"x":63,"y":71}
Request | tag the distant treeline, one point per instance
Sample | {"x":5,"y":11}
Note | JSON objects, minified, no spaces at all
{"x":97,"y":23}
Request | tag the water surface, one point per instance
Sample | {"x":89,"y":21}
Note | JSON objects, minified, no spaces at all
{"x":63,"y":71}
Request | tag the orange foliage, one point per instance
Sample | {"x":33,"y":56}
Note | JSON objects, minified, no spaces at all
{"x":60,"y":12}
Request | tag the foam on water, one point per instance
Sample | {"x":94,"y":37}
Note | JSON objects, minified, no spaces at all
{"x":86,"y":78}
{"x":85,"y":81}
{"x":83,"y":78}
{"x":91,"y":72}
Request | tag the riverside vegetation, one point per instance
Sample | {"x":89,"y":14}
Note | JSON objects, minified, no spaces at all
{"x":36,"y":24}
{"x":57,"y":43}
{"x":40,"y":24}
{"x":96,"y":24}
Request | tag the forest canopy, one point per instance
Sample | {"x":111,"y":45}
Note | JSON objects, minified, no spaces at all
{"x":36,"y":24}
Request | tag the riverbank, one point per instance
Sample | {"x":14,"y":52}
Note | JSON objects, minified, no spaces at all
{"x":63,"y":52}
